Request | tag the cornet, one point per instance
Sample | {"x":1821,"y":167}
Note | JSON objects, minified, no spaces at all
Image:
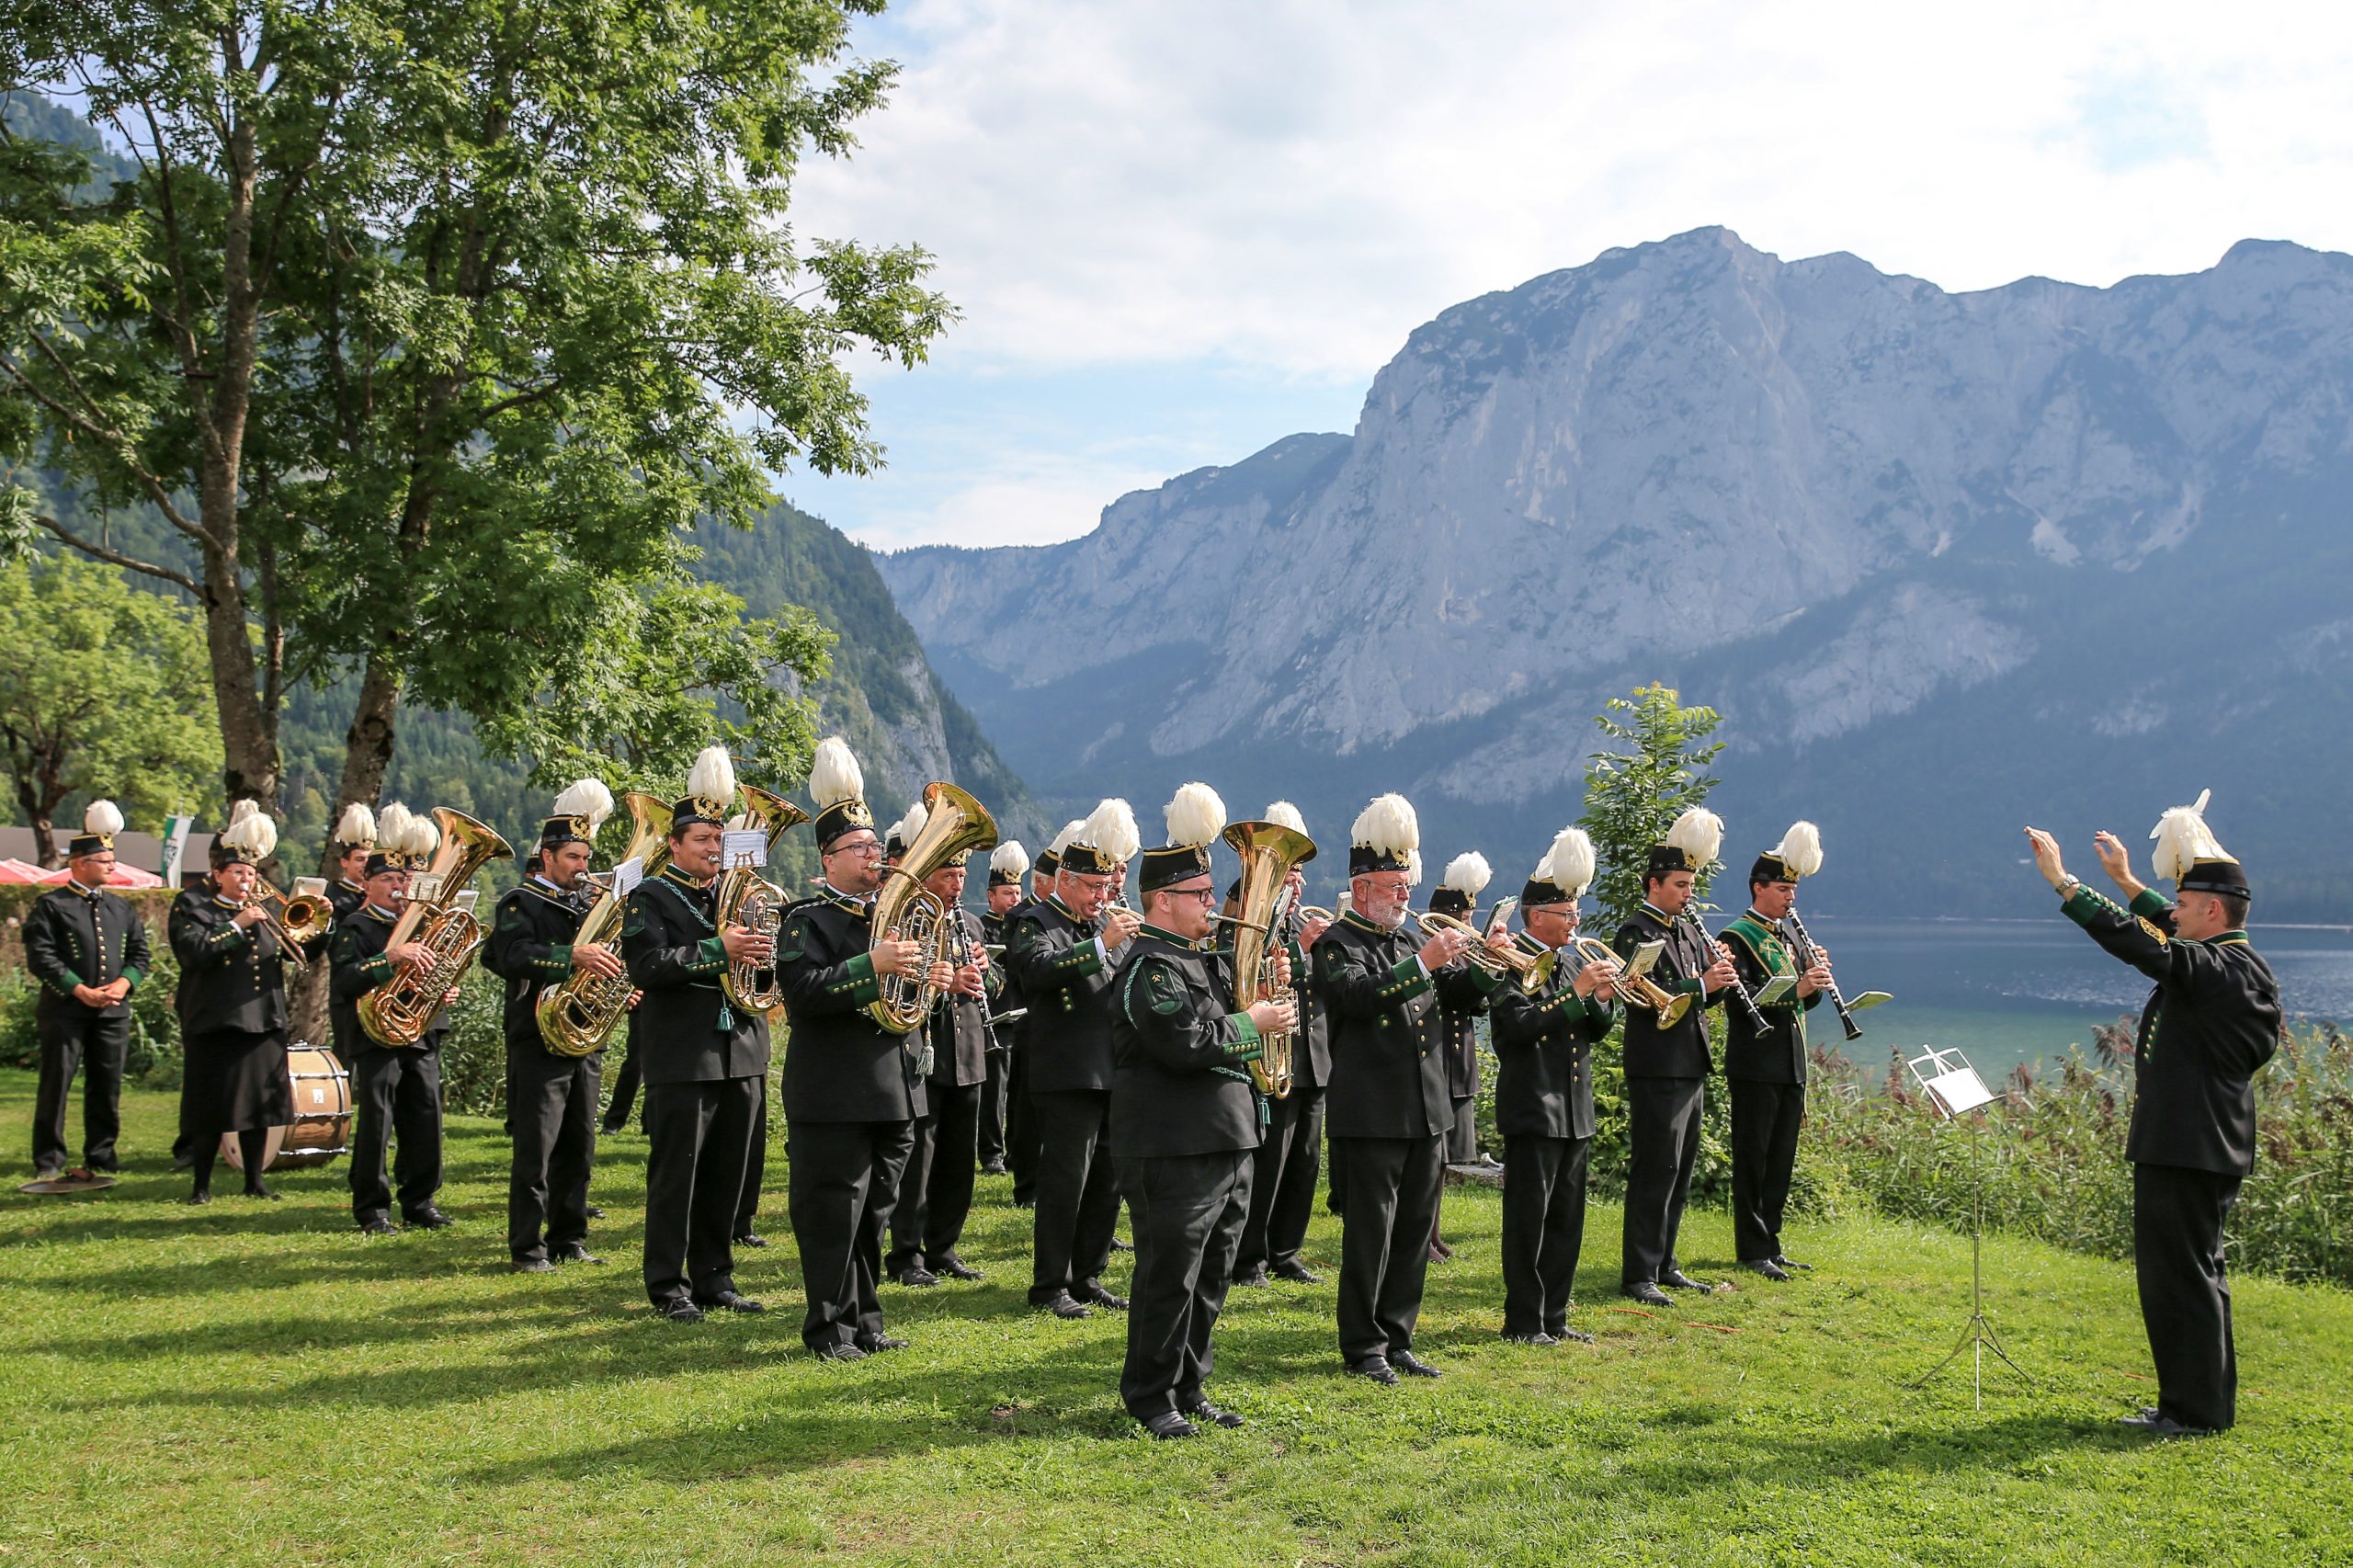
{"x":1523,"y":957}
{"x":1639,"y":989}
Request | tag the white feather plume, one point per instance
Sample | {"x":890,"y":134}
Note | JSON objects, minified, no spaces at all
{"x":1282,"y":813}
{"x":834,"y":776}
{"x":1196,"y":815}
{"x":102,"y":817}
{"x":1800,"y":848}
{"x":585,"y":798}
{"x":1468,"y":873}
{"x":1111,"y":832}
{"x":1568,"y":865}
{"x":1067,"y":836}
{"x":1009,"y":860}
{"x":422,"y":837}
{"x":1412,"y":868}
{"x":357,"y":825}
{"x":1699,"y":833}
{"x":2183,"y":839}
{"x":906,"y":827}
{"x":251,"y":836}
{"x":712,"y":778}
{"x":1387,"y":826}
{"x":392,"y":829}
{"x":242,"y":809}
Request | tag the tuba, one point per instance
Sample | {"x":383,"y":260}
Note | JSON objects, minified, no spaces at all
{"x":398,"y":1012}
{"x":748,"y":899}
{"x":577,"y":1016}
{"x":955,"y":825}
{"x":1268,"y":851}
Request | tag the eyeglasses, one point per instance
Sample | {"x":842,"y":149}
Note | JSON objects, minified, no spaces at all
{"x":867,"y":847}
{"x":1207,"y":895}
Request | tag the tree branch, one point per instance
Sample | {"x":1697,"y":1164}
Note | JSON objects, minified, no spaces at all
{"x":115,"y":558}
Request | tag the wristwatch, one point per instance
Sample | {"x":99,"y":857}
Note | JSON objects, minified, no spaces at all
{"x":2067,"y":889}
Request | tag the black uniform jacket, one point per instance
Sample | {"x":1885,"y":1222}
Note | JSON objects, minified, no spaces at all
{"x":1544,"y":1040}
{"x":531,"y":948}
{"x":1056,"y":962}
{"x":1388,"y":1056}
{"x":839,"y":1064}
{"x":356,"y":965}
{"x":1462,"y":989}
{"x":686,"y":1030}
{"x":1005,"y":992}
{"x":1180,"y":1083}
{"x":1761,"y":951}
{"x":958,"y":1029}
{"x":1681,"y":1051}
{"x":345,"y":899}
{"x":2208,"y":1027}
{"x":232,"y":977}
{"x":1310,"y":1057}
{"x":73,"y":936}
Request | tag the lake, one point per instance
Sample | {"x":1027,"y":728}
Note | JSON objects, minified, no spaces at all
{"x":2012,"y":991}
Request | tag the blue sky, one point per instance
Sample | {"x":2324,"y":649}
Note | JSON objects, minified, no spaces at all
{"x":1179,"y":231}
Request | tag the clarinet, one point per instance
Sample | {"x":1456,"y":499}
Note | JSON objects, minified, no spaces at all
{"x":1805,"y":954}
{"x":1757,"y":1019}
{"x":964,"y":961}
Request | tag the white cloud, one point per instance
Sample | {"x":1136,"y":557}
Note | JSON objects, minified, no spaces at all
{"x":1289,"y":187}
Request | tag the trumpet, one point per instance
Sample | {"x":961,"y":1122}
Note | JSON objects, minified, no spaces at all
{"x":1639,"y":989}
{"x":293,"y":919}
{"x":1523,"y":958}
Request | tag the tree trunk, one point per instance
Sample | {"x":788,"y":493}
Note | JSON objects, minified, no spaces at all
{"x":45,"y":841}
{"x":367,"y":744}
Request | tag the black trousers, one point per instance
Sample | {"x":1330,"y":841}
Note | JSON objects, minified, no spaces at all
{"x":1385,"y":1240}
{"x":1663,"y":1126}
{"x":845,"y":1177}
{"x":1543,"y":1229}
{"x":1188,"y":1212}
{"x":2177,"y":1216}
{"x":1078,"y":1192}
{"x":396,"y":1093}
{"x":1021,"y":1151}
{"x":989,"y":1137}
{"x":95,"y":1047}
{"x":625,"y":1084}
{"x":552,"y":1111}
{"x":756,"y":1167}
{"x":700,"y":1137}
{"x":1282,"y":1185}
{"x":1462,"y":1142}
{"x":1766,"y":1118}
{"x":936,"y":1193}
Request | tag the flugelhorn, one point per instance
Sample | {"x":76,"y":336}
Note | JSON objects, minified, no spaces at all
{"x":1268,"y":851}
{"x":954,"y":823}
{"x":1522,"y":958}
{"x":1639,"y":989}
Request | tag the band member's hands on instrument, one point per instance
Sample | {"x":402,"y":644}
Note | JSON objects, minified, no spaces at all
{"x":1282,"y":961}
{"x":1597,"y":979}
{"x":1309,"y":931}
{"x":634,"y":998}
{"x":893,"y":955}
{"x":1273,"y":1018}
{"x":252,"y":914}
{"x":450,"y":998}
{"x":1443,"y":949}
{"x":969,"y":982}
{"x":1120,"y":926}
{"x":410,"y":955}
{"x":744,"y":944}
{"x":1815,"y":979}
{"x":941,"y":975}
{"x":1720,"y":974}
{"x":597,"y":959}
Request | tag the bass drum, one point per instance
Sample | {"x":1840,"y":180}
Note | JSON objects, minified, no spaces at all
{"x":322,"y":1126}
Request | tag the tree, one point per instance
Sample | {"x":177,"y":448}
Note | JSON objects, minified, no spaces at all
{"x":1650,"y":771}
{"x":425,"y":326}
{"x":95,"y":678}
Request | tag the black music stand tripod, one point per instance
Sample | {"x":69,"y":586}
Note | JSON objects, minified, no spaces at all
{"x":1954,"y":1089}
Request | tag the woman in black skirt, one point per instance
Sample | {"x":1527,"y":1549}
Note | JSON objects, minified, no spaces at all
{"x":232,"y":1008}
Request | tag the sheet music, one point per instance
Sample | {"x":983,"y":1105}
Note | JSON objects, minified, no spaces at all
{"x":1947,"y":1079}
{"x":627,"y":875}
{"x":745,"y":846}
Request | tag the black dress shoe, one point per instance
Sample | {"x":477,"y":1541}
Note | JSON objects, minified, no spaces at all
{"x":378,"y":1226}
{"x":428,"y":1219}
{"x":2157,"y":1423}
{"x":1540,"y":1340}
{"x":1067,"y":1306}
{"x":1769,"y":1269}
{"x":1298,"y":1274}
{"x":1118,"y":1245}
{"x":202,"y":1196}
{"x":749,"y":1239}
{"x":1412,"y":1365}
{"x":1786,"y":1261}
{"x":1096,"y":1296}
{"x":916,"y":1276}
{"x":1165,"y":1425}
{"x":531,"y":1266}
{"x":1675,"y":1279}
{"x":729,"y":1301}
{"x":680,"y":1311}
{"x":1202,"y":1410}
{"x":1649,"y":1294}
{"x":957,"y":1268}
{"x":1375,"y":1368}
{"x":594,"y":1212}
{"x":876,"y":1344}
{"x":841,"y":1353}
{"x":573,"y":1251}
{"x":1254,"y":1275}
{"x":993,"y":1168}
{"x":1564,"y":1334}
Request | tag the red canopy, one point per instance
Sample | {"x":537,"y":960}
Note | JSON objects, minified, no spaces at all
{"x":121,"y":876}
{"x":13,"y":870}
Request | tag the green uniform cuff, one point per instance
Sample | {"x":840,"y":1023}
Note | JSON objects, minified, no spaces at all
{"x":2083,"y":905}
{"x":1488,"y":980}
{"x":1250,"y":1046}
{"x":135,"y":975}
{"x":710,"y":956}
{"x":558,"y":960}
{"x":2149,"y":904}
{"x":1405,"y":981}
{"x":230,"y":936}
{"x":863,"y":984}
{"x":1086,"y":959}
{"x":379,"y":966}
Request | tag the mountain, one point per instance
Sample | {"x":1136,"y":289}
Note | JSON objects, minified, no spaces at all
{"x":1946,"y":562}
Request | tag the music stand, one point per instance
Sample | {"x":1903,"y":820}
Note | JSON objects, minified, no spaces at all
{"x":1954,"y":1089}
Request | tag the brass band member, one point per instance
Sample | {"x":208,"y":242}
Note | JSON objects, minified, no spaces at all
{"x":1021,"y":1147}
{"x":935,"y":1193}
{"x":1064,"y":954}
{"x":1666,"y":1069}
{"x":1008,"y":868}
{"x":1546,"y":1026}
{"x":395,"y":1091}
{"x":2208,"y":1027}
{"x":550,"y":1098}
{"x":1185,"y":1120}
{"x":1390,"y":1107}
{"x":1461,"y":1003}
{"x":1282,"y":1187}
{"x":232,"y":1005}
{"x":355,"y":836}
{"x":852,"y":1088}
{"x":87,"y":951}
{"x":1765,"y":1068}
{"x":705,"y":1060}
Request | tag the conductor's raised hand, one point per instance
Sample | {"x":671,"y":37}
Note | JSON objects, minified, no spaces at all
{"x":2046,"y":856}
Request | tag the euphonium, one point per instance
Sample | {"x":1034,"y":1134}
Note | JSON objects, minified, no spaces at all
{"x":1268,"y":851}
{"x":398,"y":1012}
{"x":748,"y":899}
{"x":577,"y":1016}
{"x":1639,"y":989}
{"x":954,"y":823}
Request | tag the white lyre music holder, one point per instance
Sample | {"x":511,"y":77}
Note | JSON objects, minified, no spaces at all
{"x":1953,"y":1088}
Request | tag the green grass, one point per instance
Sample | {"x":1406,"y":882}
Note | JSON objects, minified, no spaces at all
{"x":257,"y":1383}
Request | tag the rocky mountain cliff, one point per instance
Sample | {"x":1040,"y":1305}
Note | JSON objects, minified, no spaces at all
{"x":1946,"y":562}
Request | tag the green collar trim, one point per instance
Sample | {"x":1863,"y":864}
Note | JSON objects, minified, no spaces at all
{"x":2237,"y":939}
{"x":1366,"y":926}
{"x":1171,"y":937}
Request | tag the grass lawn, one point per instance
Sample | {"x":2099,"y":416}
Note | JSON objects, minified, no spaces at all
{"x":256,"y":1383}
